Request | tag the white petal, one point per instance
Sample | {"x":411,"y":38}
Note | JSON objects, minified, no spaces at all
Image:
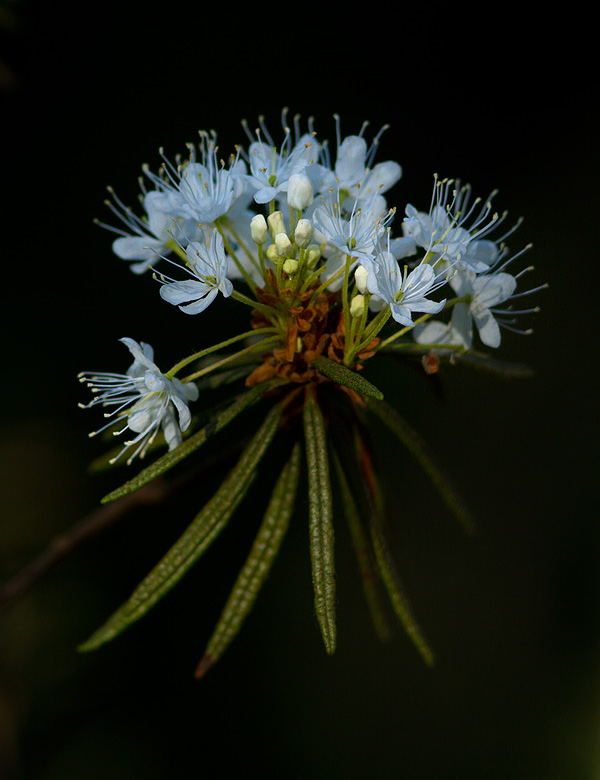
{"x":140,"y":353}
{"x":265,"y":195}
{"x":138,"y":248}
{"x":489,"y":331}
{"x":350,"y":164}
{"x":185,"y":416}
{"x":494,"y":289}
{"x":182,"y":292}
{"x":200,"y":305}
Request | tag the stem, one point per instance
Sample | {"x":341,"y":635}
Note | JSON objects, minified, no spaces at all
{"x":452,"y":302}
{"x":247,"y":351}
{"x":345,"y":303}
{"x":233,"y":256}
{"x":370,"y":332}
{"x":172,"y":244}
{"x":325,"y":284}
{"x":248,"y":253}
{"x":197,"y":355}
{"x":268,"y":311}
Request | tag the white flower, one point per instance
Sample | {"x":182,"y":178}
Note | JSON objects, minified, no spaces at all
{"x":145,"y":399}
{"x":486,"y":291}
{"x":353,"y":171}
{"x":457,"y":333}
{"x":356,"y":234}
{"x":202,"y":191}
{"x":453,"y":228}
{"x":208,"y":264}
{"x":404,"y":293}
{"x":148,"y":237}
{"x":271,"y":167}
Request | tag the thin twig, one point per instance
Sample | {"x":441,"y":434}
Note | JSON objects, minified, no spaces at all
{"x":87,"y":528}
{"x":94,"y":523}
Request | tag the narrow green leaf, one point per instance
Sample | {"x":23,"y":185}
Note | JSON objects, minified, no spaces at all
{"x":196,"y":539}
{"x":492,"y":365}
{"x":226,"y":377}
{"x":354,"y":458}
{"x":420,"y":450}
{"x":342,"y":375}
{"x":364,"y":554}
{"x":395,"y":590}
{"x":471,"y":357}
{"x":257,"y":565}
{"x":170,"y":459}
{"x":320,"y":521}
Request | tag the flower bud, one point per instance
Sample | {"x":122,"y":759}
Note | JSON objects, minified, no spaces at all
{"x":290,"y":266}
{"x":259,"y":230}
{"x":313,"y":254}
{"x":300,"y":192}
{"x":303,"y":233}
{"x":360,"y":277}
{"x":283,"y":244}
{"x":276,"y":223}
{"x":272,"y":255}
{"x":357,"y":305}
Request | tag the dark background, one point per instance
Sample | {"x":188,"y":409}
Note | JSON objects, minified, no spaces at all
{"x":87,"y":97}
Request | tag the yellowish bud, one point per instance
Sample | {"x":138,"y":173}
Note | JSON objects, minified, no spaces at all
{"x":283,"y":244}
{"x":357,"y":306}
{"x":290,"y":266}
{"x":276,"y":223}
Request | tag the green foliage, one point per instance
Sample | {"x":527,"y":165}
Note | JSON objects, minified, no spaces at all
{"x":320,"y":520}
{"x":197,"y":538}
{"x":422,"y":453}
{"x":258,"y":564}
{"x":342,"y":375}
{"x":170,"y":459}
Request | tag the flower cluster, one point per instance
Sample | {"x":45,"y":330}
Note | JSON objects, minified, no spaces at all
{"x":300,"y":231}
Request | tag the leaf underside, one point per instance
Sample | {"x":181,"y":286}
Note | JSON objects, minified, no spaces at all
{"x":369,"y":572}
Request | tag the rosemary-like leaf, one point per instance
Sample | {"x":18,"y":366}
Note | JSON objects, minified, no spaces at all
{"x":320,"y":520}
{"x":342,"y":375}
{"x":396,"y":593}
{"x":196,"y":539}
{"x":362,"y":545}
{"x":170,"y":459}
{"x":420,"y":450}
{"x":258,"y":564}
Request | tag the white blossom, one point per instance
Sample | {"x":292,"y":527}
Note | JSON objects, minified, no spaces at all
{"x":145,"y":400}
{"x":208,"y":265}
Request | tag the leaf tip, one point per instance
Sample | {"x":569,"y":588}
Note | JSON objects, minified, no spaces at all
{"x":206,"y":662}
{"x":113,"y":495}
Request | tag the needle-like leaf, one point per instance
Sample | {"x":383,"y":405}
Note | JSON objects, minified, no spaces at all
{"x":362,"y":545}
{"x":258,"y":564}
{"x":342,"y":375}
{"x":196,"y":539}
{"x":320,"y":520}
{"x":420,"y":450}
{"x":170,"y":459}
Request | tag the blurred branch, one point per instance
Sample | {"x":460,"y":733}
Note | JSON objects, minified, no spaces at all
{"x":66,"y":543}
{"x":97,"y":521}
